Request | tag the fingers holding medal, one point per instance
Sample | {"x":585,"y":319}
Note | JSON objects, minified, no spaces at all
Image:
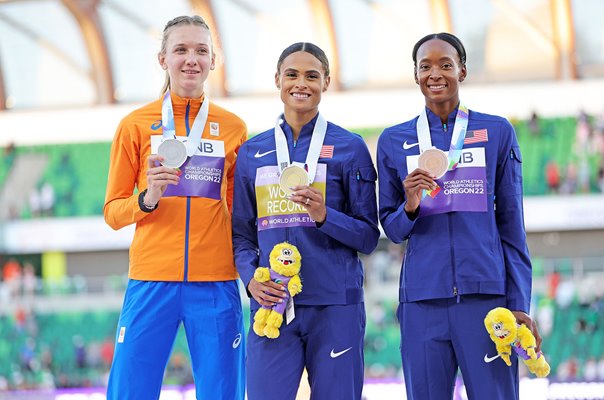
{"x":159,"y":176}
{"x":311,"y":199}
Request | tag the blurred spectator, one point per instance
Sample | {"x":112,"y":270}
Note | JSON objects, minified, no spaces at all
{"x":42,"y":201}
{"x":552,"y":176}
{"x":11,"y":273}
{"x":178,"y":371}
{"x":46,"y":358}
{"x":28,"y":355}
{"x":583,"y":176}
{"x":567,"y":370}
{"x":601,"y":176}
{"x":565,"y":294}
{"x":29,"y":280}
{"x":533,"y":124}
{"x":583,"y":132}
{"x":47,"y":200}
{"x":93,"y":355}
{"x":8,"y":156}
{"x":35,"y":203}
{"x":570,"y":180}
{"x":545,"y":316}
{"x":107,"y":351}
{"x":79,"y":349}
{"x":590,"y":370}
{"x":601,"y":369}
{"x":553,"y":281}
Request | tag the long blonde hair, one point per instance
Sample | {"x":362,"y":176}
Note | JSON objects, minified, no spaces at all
{"x":182,"y":20}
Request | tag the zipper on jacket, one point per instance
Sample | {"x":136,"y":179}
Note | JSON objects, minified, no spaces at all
{"x":455,"y":290}
{"x":188,"y":213}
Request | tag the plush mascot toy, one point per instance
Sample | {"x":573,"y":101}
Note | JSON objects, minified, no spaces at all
{"x":507,"y":334}
{"x":285,"y":265}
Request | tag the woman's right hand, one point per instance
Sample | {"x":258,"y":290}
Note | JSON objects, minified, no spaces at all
{"x":414,"y":184}
{"x":158,"y":179}
{"x":267,"y":293}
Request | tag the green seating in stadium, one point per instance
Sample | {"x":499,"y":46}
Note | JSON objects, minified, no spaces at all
{"x":78,"y":172}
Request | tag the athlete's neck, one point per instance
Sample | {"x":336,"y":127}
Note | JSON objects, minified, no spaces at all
{"x":296,"y":120}
{"x":187,"y":93}
{"x":443,"y":109}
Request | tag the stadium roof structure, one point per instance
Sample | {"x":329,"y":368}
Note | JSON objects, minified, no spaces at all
{"x":92,"y":52}
{"x":65,"y":62}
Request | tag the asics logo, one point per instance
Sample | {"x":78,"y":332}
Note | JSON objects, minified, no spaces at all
{"x":237,"y":341}
{"x":156,"y":125}
{"x":488,"y":359}
{"x":333,"y":354}
{"x":407,"y":146}
{"x":259,"y":154}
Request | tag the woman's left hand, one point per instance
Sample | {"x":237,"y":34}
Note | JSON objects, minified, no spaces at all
{"x":311,"y":199}
{"x":524,"y":318}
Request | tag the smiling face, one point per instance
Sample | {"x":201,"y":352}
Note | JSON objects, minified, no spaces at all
{"x":285,"y":259}
{"x":438,"y":72}
{"x":188,"y":59}
{"x":301,"y":80}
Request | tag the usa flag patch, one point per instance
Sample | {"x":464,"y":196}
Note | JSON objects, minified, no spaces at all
{"x":477,"y":136}
{"x":326,"y":152}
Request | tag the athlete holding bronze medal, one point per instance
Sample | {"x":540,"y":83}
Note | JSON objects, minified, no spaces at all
{"x":456,"y":198}
{"x":311,"y":183}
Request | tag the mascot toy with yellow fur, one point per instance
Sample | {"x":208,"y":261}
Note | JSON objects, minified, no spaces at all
{"x":507,"y":335}
{"x":285,"y":261}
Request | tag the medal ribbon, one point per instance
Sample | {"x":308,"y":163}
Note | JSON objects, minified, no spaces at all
{"x":457,"y":138}
{"x":459,"y":134}
{"x":169,"y":130}
{"x":312,"y":157}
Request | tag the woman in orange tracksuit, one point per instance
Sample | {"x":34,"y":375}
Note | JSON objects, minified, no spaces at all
{"x":181,"y":259}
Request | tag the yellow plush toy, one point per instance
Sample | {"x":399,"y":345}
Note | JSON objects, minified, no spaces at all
{"x":285,"y":261}
{"x":507,"y":335}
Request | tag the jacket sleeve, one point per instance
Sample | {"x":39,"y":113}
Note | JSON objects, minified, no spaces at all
{"x":231,"y":171}
{"x":395,"y":222}
{"x":245,"y":237}
{"x":510,"y":221}
{"x":121,"y":204}
{"x":358,"y":227}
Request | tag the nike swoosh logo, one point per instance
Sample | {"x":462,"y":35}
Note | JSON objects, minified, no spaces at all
{"x":259,"y":154}
{"x":407,"y":146}
{"x":488,"y":359}
{"x":339,"y":353}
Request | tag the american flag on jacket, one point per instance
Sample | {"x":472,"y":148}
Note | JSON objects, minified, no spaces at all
{"x":479,"y":135}
{"x":326,"y":152}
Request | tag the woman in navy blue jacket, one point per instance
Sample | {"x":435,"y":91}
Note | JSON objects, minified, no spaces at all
{"x":459,"y":206}
{"x":329,"y":221}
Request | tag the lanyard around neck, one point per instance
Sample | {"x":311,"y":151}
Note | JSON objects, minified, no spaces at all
{"x":168,"y":126}
{"x":459,"y":134}
{"x":314,"y":150}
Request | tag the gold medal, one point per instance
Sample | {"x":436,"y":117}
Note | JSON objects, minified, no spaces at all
{"x":292,"y":176}
{"x":434,"y":161}
{"x":174,"y":153}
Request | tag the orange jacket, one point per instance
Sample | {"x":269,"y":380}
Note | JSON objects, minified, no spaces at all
{"x":185,"y":238}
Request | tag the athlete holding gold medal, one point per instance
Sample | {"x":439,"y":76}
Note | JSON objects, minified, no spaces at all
{"x":451,"y":185}
{"x":310,"y":183}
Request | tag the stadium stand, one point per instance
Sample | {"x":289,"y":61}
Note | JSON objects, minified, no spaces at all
{"x":78,"y":172}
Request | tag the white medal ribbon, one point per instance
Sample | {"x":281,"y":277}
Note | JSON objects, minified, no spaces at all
{"x":312,"y":157}
{"x":423,"y":130}
{"x":168,"y":126}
